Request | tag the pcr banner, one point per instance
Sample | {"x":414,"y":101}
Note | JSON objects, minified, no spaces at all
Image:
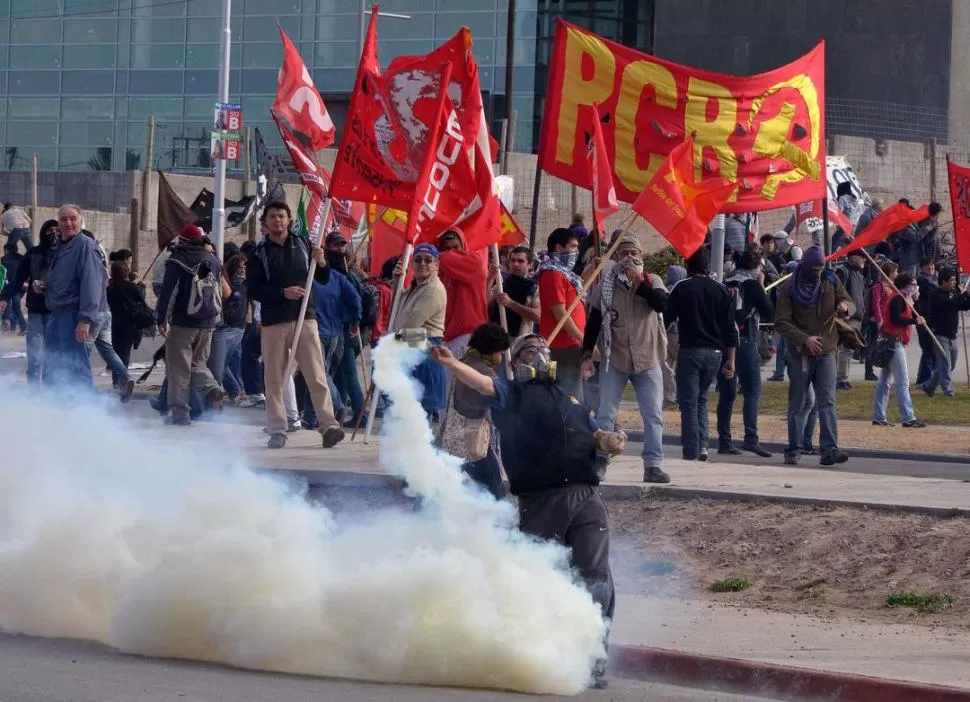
{"x":764,"y":132}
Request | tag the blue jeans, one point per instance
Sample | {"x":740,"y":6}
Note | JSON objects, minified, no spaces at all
{"x":226,"y":341}
{"x":781,"y":357}
{"x":196,"y":401}
{"x":811,"y":422}
{"x":332,"y":348}
{"x":15,"y":310}
{"x":252,"y":367}
{"x":747,"y":368}
{"x":696,"y":369}
{"x":119,"y":371}
{"x":18,"y":235}
{"x":36,"y":329}
{"x":897,"y":372}
{"x":67,"y":362}
{"x":648,"y":387}
{"x":943,"y":366}
{"x":345,"y":376}
{"x":817,"y":373}
{"x":431,"y":375}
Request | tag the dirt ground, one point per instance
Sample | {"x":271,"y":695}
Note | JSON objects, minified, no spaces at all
{"x":852,"y":434}
{"x":827,"y":562}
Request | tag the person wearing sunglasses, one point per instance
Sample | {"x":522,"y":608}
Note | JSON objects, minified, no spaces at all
{"x":423,"y":307}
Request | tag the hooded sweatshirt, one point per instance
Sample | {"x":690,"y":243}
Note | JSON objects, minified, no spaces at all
{"x":464,"y":275}
{"x":77,"y":281}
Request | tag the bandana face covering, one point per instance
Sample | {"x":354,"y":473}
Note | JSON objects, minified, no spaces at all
{"x":567,"y":258}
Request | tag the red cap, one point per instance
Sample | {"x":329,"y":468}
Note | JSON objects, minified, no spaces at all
{"x":191,"y":232}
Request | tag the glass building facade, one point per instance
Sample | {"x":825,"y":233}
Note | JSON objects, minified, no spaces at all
{"x":79,"y":79}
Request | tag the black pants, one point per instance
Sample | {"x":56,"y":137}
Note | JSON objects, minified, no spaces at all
{"x":124,"y":337}
{"x":577,"y":517}
{"x":488,"y":473}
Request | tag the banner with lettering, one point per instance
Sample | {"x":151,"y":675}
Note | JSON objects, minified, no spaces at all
{"x":764,"y":132}
{"x":959,"y":177}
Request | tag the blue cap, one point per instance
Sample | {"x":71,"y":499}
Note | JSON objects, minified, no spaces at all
{"x":427,"y":248}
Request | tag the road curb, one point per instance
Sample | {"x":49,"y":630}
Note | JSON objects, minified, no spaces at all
{"x":637,"y":492}
{"x":769,"y":679}
{"x":636,"y":435}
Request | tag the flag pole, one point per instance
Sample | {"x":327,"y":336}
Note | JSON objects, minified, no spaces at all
{"x":304,"y":303}
{"x":905,"y":299}
{"x":219,"y":206}
{"x":392,"y":320}
{"x":502,"y":316}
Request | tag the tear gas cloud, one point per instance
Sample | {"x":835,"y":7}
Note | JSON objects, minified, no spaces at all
{"x":147,"y":539}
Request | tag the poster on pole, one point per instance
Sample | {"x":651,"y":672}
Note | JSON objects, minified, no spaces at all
{"x":226,"y":138}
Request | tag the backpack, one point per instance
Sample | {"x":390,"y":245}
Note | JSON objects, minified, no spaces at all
{"x":737,"y":302}
{"x":234,"y":309}
{"x":204,"y":302}
{"x":370,"y":305}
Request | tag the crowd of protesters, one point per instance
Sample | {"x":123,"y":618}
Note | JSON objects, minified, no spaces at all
{"x":229,"y":327}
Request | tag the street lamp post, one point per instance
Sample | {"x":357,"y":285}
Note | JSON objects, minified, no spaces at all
{"x":219,"y":206}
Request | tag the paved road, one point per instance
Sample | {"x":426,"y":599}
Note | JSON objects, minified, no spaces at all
{"x":915,"y":468}
{"x":44,"y":670}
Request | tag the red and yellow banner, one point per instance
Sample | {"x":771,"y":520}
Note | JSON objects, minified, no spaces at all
{"x":960,"y":200}
{"x":764,"y":132}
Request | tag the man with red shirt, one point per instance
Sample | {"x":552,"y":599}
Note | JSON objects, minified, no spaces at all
{"x":559,"y":286}
{"x":464,"y":275}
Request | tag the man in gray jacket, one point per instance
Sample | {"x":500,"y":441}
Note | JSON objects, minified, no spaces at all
{"x":76,"y":295}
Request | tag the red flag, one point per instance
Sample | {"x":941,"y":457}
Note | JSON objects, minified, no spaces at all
{"x":299,"y":104}
{"x":314,"y":176}
{"x":890,"y":220}
{"x":813,"y":210}
{"x":679,"y":208}
{"x":605,"y":204}
{"x":430,"y":205}
{"x":959,"y":178}
{"x":512,"y":234}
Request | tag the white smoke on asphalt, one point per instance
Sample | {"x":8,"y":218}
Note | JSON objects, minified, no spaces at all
{"x":138,"y":538}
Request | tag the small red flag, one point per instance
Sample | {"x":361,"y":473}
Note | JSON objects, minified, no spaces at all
{"x":298,"y":102}
{"x":890,"y":220}
{"x":679,"y":208}
{"x":959,"y":177}
{"x":605,"y":204}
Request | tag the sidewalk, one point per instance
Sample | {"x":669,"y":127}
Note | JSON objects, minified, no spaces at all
{"x":914,"y":653}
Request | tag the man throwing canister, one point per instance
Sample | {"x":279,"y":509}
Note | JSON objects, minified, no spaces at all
{"x":549,"y":443}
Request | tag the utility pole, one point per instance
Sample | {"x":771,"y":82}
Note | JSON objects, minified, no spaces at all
{"x":219,"y":206}
{"x":509,"y":74}
{"x":146,"y":178}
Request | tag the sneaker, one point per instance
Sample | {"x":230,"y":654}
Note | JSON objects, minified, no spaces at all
{"x":258,"y":400}
{"x":703,"y":456}
{"x":729,"y":451}
{"x":834,"y":458}
{"x":777,"y":379}
{"x":810,"y":451}
{"x":915,"y":424}
{"x":127,"y":390}
{"x":929,"y":393}
{"x":178,"y":421}
{"x":214,"y":399}
{"x":844,"y":385}
{"x":791,"y":459}
{"x":332,"y":437}
{"x":293,"y":425}
{"x":756,"y":449}
{"x":872,"y":377}
{"x":238,"y":400}
{"x":877,"y":423}
{"x":655,"y":475}
{"x":276,"y":441}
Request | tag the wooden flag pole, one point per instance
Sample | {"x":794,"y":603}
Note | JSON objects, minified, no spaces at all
{"x":502,"y":316}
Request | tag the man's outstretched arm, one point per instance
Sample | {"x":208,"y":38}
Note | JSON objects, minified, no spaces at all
{"x":465,"y":374}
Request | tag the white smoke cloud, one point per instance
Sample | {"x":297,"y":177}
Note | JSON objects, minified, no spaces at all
{"x":161,"y":542}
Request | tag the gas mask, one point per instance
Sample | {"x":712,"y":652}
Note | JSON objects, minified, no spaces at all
{"x":539,"y":367}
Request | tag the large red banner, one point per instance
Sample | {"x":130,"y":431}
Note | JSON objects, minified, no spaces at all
{"x":764,"y":132}
{"x":960,"y":201}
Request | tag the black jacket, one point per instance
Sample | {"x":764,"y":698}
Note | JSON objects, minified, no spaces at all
{"x":34,"y":267}
{"x":705,"y":314}
{"x":944,"y":311}
{"x":273,"y":267}
{"x":546,"y":438}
